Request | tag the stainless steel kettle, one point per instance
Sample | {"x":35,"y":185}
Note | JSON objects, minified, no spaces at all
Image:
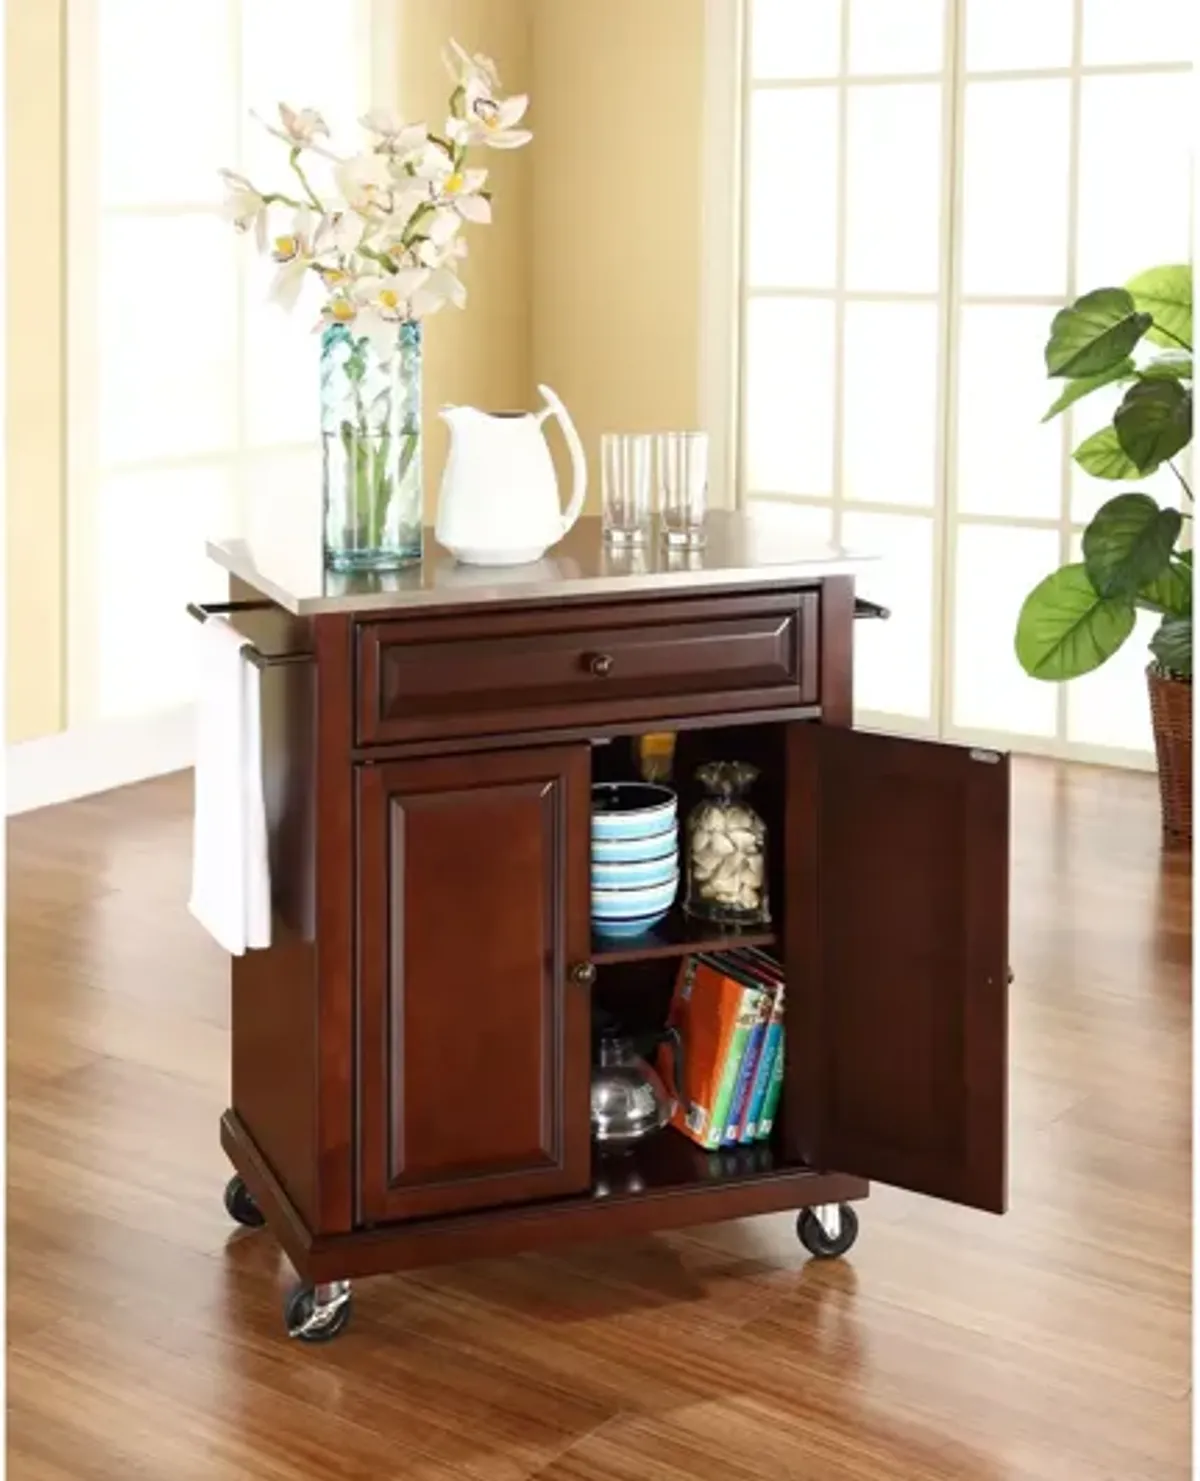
{"x":629,"y":1099}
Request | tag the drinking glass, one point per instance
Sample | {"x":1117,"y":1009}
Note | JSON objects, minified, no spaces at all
{"x":625,"y":465}
{"x":683,"y":487}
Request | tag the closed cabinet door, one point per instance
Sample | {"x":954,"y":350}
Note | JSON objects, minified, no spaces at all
{"x":474,"y":1023}
{"x":896,"y":939}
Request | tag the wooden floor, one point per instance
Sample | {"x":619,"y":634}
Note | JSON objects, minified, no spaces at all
{"x":145,"y":1337}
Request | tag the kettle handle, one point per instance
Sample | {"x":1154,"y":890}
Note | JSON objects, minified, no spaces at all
{"x":579,"y":469}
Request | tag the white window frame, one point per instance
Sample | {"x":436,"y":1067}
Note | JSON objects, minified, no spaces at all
{"x":375,"y":22}
{"x":730,"y":88}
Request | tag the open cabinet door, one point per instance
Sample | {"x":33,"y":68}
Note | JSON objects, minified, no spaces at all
{"x":896,"y":941}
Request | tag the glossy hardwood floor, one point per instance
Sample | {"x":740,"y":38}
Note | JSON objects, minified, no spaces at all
{"x":145,"y":1336}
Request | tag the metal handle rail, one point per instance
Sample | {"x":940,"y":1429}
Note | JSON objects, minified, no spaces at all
{"x":259,"y":660}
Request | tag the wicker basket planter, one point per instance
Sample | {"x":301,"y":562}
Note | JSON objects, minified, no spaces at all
{"x":1171,"y":710}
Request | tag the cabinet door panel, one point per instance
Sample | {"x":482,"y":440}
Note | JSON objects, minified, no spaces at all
{"x":474,"y":1040}
{"x":897,"y":950}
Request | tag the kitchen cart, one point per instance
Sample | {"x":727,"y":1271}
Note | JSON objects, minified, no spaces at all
{"x":411,"y":1057}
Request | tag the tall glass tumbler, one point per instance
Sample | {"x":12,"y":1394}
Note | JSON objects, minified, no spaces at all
{"x":625,"y":466}
{"x":683,"y":487}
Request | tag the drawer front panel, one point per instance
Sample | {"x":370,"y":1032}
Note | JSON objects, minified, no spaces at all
{"x":454,"y":676}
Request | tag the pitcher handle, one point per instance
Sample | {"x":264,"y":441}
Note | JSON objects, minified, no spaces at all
{"x":555,"y":408}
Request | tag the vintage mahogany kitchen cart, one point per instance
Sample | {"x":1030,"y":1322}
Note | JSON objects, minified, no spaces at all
{"x":411,"y":1057}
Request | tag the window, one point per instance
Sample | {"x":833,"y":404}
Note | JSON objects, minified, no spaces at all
{"x":186,"y":388}
{"x":925,"y":182}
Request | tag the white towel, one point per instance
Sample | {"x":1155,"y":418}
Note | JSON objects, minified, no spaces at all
{"x":231,"y":879}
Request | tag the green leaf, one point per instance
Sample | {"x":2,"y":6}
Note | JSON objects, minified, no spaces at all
{"x":1103,"y":456}
{"x":1169,"y":367}
{"x":1085,"y":385}
{"x":1094,"y":334}
{"x":1165,"y":293}
{"x":1066,"y":628}
{"x":1154,"y":422}
{"x":1172,"y":645}
{"x":1171,"y":592}
{"x":1129,"y":544}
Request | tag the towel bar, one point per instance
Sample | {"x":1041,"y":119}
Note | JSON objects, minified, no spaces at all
{"x":259,"y":660}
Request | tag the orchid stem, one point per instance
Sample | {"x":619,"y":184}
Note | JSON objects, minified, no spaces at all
{"x":313,"y":199}
{"x":381,"y":257}
{"x":277,"y":197}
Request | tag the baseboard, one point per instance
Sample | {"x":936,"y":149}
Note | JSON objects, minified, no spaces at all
{"x":97,"y":758}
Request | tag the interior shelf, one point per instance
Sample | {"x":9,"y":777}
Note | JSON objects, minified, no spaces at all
{"x":668,"y":1162}
{"x":677,"y":935}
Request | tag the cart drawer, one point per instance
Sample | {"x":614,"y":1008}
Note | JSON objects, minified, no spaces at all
{"x":574,"y":667}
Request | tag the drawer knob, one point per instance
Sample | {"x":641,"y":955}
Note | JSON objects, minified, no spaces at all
{"x":600,"y":664}
{"x":583,"y":974}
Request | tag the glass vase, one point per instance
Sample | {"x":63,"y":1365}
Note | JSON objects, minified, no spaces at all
{"x":727,"y":849}
{"x":371,"y":439}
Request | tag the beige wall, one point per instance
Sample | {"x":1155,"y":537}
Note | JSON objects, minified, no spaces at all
{"x":481,"y":357}
{"x":34,"y":367}
{"x":618,"y":167}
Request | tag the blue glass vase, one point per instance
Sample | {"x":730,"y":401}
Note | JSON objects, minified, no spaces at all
{"x":371,"y":437}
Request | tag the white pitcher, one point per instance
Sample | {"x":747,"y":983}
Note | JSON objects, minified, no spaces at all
{"x":499,"y":503}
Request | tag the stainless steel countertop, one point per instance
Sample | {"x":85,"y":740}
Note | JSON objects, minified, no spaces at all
{"x":740,"y":551}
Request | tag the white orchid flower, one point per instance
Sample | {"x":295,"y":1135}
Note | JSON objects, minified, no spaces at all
{"x":245,"y":207}
{"x":341,"y":232}
{"x":301,"y":127}
{"x":431,"y":253}
{"x":457,"y":190}
{"x":465,"y":68}
{"x":365,"y":181}
{"x":340,"y":310}
{"x":390,"y":294}
{"x":491,"y":121}
{"x":443,"y":226}
{"x":461,"y":192}
{"x":375,"y":307}
{"x":441,"y":287}
{"x":395,"y":137}
{"x":293,"y":251}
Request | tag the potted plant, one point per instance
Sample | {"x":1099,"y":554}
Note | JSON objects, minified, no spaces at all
{"x":1136,"y":553}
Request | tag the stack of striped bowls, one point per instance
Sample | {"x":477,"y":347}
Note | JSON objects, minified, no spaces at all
{"x":635,"y":856}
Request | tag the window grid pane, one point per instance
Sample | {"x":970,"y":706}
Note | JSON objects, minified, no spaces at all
{"x":182,"y":330}
{"x":1035,"y":223}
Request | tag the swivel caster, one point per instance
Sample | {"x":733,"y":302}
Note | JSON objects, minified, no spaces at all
{"x":318,"y":1313}
{"x":240,"y":1205}
{"x":828,"y":1230}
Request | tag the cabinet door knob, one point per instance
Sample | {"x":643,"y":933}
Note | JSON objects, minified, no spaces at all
{"x":583,"y":974}
{"x":600,"y":664}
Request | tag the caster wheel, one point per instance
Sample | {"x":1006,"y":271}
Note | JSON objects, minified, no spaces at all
{"x":813,"y":1236}
{"x":310,"y":1320}
{"x":240,"y":1206}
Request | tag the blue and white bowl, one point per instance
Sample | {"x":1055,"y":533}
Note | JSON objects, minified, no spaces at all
{"x":636,"y":873}
{"x":636,"y":850}
{"x":632,"y":810}
{"x":629,"y":912}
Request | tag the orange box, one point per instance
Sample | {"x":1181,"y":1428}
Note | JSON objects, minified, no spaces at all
{"x":704,"y":1008}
